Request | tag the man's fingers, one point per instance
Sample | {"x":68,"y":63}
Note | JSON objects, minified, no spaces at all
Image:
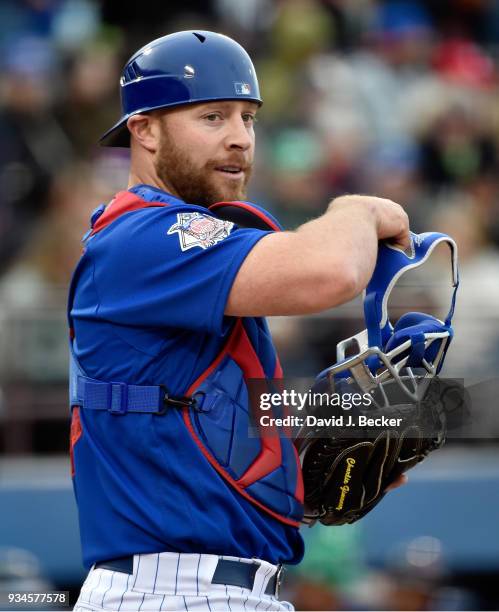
{"x":402,"y":242}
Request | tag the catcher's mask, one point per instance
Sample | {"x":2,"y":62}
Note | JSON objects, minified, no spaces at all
{"x":404,"y":353}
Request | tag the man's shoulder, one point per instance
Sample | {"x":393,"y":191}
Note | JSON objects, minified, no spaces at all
{"x":127,"y":215}
{"x":178,"y":218}
{"x":146,"y":232}
{"x":138,"y":220}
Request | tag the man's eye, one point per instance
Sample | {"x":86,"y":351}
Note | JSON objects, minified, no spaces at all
{"x":249,"y":118}
{"x":213,"y":116}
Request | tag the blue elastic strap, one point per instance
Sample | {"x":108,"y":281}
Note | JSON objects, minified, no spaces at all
{"x":118,"y":397}
{"x":115,"y":397}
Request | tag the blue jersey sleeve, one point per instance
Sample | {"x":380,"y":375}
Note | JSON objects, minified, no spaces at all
{"x":168,"y":267}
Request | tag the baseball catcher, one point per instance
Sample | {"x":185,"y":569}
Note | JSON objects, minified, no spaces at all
{"x":179,"y":507}
{"x":347,"y":469}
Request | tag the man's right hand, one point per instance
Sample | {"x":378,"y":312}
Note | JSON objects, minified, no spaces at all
{"x":392,"y":222}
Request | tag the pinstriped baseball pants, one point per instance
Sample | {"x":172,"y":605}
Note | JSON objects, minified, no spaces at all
{"x":175,"y":581}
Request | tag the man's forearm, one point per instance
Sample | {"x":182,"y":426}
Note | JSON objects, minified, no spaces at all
{"x":344,"y":238}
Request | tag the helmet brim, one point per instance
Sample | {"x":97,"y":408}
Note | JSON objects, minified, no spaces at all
{"x":117,"y":136}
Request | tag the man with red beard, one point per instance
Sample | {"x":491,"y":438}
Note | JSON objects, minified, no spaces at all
{"x":179,"y":507}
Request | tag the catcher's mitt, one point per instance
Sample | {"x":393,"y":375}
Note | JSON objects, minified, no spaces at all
{"x":348,"y":462}
{"x":346,"y":469}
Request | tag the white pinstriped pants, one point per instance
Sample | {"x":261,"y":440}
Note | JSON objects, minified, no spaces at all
{"x":175,"y":581}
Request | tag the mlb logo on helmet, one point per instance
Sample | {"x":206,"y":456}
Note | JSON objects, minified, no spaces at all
{"x":243,"y":89}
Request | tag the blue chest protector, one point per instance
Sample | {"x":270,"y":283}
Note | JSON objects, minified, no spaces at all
{"x":214,"y":412}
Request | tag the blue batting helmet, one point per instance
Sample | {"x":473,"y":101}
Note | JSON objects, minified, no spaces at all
{"x":182,"y":68}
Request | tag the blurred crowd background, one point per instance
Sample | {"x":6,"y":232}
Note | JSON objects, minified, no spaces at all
{"x":398,"y":99}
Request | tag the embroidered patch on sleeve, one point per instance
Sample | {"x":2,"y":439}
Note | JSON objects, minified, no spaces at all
{"x":199,"y":230}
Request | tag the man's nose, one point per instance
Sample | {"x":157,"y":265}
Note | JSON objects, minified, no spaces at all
{"x":239,"y":136}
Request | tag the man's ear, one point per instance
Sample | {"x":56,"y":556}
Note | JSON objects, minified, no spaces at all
{"x":145,"y":130}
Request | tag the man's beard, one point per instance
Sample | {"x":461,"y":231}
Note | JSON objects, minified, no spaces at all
{"x":198,"y":185}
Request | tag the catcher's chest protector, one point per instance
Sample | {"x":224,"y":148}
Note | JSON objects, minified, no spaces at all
{"x":263,"y":467}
